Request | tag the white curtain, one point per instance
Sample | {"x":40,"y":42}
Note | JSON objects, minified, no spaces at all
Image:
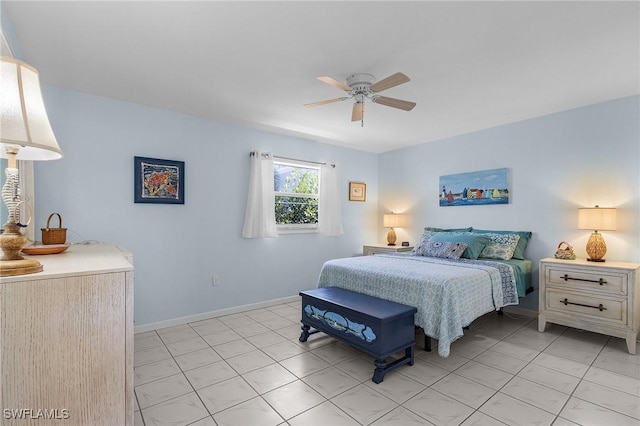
{"x":329,"y":207}
{"x":260,"y":213}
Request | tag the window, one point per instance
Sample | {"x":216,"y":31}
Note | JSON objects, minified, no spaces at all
{"x":296,"y":186}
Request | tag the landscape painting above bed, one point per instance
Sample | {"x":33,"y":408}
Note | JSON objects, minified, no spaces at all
{"x":475,"y":188}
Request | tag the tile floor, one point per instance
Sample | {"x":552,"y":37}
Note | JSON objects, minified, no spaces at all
{"x":249,"y":369}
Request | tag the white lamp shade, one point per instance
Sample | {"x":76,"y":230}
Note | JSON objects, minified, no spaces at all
{"x":597,"y":219}
{"x":392,"y":220}
{"x":24,"y":117}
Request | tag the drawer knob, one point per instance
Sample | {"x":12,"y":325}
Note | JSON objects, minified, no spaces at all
{"x":599,"y":307}
{"x":601,"y":281}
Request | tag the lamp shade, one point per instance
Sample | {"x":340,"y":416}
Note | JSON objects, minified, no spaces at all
{"x":24,"y":117}
{"x":597,"y":219}
{"x":391,"y":220}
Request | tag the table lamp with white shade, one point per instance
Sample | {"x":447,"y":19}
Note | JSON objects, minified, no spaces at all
{"x":25,"y":134}
{"x":597,"y":219}
{"x":392,"y":220}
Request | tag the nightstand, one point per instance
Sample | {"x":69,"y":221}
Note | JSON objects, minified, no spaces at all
{"x":599,"y":297}
{"x":383,"y":248}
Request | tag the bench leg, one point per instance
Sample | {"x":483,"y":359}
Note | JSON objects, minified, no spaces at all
{"x":427,"y":343}
{"x":409,"y":353}
{"x":378,"y":373}
{"x":382,"y":367}
{"x":305,"y":333}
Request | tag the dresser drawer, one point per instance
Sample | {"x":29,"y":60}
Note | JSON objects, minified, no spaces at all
{"x":594,"y":279}
{"x":595,"y":307}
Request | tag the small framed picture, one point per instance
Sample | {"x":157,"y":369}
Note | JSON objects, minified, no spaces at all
{"x":158,"y":181}
{"x":357,"y":191}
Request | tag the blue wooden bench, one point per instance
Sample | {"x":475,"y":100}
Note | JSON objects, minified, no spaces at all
{"x":376,"y":326}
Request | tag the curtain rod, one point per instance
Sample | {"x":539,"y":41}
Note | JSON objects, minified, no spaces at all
{"x":266,"y":155}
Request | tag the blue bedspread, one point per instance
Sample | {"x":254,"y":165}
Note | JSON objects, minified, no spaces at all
{"x":448,"y":294}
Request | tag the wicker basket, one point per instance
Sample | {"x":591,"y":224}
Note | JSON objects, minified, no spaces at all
{"x":54,"y":235}
{"x":565,"y":251}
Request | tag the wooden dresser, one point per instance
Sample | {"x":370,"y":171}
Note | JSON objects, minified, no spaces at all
{"x":602,"y":297}
{"x":66,"y":340}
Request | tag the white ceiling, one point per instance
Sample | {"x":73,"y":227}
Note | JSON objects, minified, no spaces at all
{"x":473,"y":65}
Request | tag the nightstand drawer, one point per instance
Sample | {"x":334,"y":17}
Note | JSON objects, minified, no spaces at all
{"x":588,"y":305}
{"x":371,"y":249}
{"x":594,"y":279}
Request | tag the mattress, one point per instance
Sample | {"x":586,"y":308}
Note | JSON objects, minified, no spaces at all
{"x":522,"y":271}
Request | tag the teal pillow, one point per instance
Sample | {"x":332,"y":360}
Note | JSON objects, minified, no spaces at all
{"x":475,"y":243}
{"x":525,"y":236}
{"x":429,"y":228}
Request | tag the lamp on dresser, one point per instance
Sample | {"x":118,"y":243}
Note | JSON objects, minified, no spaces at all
{"x":391,"y":221}
{"x":597,"y":219}
{"x":25,"y":134}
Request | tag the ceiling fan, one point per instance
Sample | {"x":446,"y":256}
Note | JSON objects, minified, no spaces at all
{"x":360,"y":86}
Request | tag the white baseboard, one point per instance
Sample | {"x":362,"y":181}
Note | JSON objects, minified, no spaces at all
{"x":212,"y":314}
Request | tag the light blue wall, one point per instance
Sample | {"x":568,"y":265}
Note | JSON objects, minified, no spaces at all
{"x":557,"y":163}
{"x":178,"y":248}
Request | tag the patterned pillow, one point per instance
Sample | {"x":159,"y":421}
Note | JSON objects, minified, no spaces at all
{"x":430,"y":232}
{"x":525,"y":236}
{"x":501,"y":246}
{"x":431,"y":228}
{"x":424,"y":239}
{"x":446,"y":250}
{"x":475,"y":243}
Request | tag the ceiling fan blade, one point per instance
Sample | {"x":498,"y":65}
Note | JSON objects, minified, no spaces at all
{"x":328,"y":101}
{"x":335,"y":83}
{"x":357,"y":114}
{"x":395,"y":103}
{"x":389,"y":82}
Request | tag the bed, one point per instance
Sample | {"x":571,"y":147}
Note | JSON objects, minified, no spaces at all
{"x":449,"y":293}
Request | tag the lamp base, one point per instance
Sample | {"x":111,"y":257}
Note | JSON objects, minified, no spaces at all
{"x":391,"y":237}
{"x":596,"y":247}
{"x":10,"y":268}
{"x":12,"y":262}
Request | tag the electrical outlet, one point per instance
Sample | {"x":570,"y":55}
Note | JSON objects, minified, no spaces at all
{"x":215,"y":280}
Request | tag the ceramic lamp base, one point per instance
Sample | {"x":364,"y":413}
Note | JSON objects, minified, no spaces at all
{"x":12,"y":262}
{"x":10,"y":268}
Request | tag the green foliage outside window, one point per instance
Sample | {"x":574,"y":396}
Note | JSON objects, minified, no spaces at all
{"x":296,"y":195}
